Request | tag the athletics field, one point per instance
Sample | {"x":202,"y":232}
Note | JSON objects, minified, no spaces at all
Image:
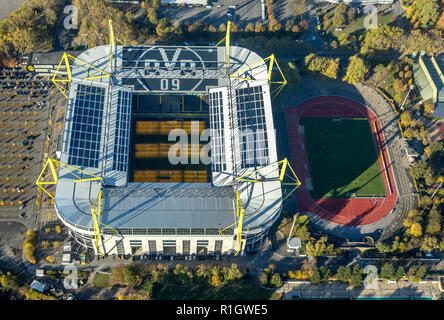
{"x":343,"y":159}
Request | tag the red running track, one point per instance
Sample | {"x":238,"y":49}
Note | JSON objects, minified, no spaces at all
{"x":344,"y":211}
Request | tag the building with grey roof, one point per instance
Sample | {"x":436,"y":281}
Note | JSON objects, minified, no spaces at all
{"x":169,"y":217}
{"x":429,"y":79}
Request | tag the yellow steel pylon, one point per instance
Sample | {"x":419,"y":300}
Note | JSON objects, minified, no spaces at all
{"x":227,"y":43}
{"x":66,"y":58}
{"x":53,"y":165}
{"x":271,"y":59}
{"x":282,"y":166}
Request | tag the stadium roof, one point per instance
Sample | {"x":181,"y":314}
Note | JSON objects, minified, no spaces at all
{"x":96,"y":139}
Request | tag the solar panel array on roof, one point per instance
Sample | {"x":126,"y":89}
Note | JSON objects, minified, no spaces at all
{"x":217,"y":131}
{"x":252,"y":127}
{"x":86,"y":131}
{"x":121,"y":143}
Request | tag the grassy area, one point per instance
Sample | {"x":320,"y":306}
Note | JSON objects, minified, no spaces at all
{"x":101,"y":280}
{"x":243,"y":290}
{"x":356,"y":27}
{"x":343,"y":158}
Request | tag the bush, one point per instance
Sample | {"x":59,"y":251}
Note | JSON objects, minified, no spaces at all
{"x":31,"y":294}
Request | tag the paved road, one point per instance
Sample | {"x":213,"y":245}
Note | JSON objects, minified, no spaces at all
{"x":7,"y":6}
{"x":335,"y":289}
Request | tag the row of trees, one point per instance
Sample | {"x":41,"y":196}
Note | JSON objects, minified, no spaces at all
{"x":387,"y":38}
{"x":353,"y":275}
{"x":29,"y":246}
{"x":136,"y":276}
{"x":423,"y":14}
{"x":30,"y":27}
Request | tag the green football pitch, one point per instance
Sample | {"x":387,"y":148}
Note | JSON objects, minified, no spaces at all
{"x":343,"y":159}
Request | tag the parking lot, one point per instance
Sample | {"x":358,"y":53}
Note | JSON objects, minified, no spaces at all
{"x":246,"y":11}
{"x":23,"y":99}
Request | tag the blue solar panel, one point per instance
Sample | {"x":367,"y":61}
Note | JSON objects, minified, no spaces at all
{"x":86,"y":129}
{"x":252,"y":127}
{"x":121,"y":143}
{"x":217,"y":137}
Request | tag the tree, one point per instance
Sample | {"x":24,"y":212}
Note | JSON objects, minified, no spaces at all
{"x":388,"y":271}
{"x":421,"y":272}
{"x":343,"y":274}
{"x":130,"y":276}
{"x":399,"y":273}
{"x":425,"y":12}
{"x":406,"y":118}
{"x":434,"y":222}
{"x":163,"y":28}
{"x":9,"y":282}
{"x":31,"y":294}
{"x":152,"y":16}
{"x":339,"y":15}
{"x":382,"y":247}
{"x":289,"y":25}
{"x":322,"y":66}
{"x":383,"y":38}
{"x":45,"y":245}
{"x":50,"y":259}
{"x":430,"y":42}
{"x":419,"y":169}
{"x":234,"y":273}
{"x":216,"y":280}
{"x":29,"y":246}
{"x":440,"y":23}
{"x":58,"y":229}
{"x":436,"y":150}
{"x":316,"y":277}
{"x":212,"y":28}
{"x":409,"y":133}
{"x":274,"y":25}
{"x":356,"y":70}
{"x":249,"y":27}
{"x":259,"y":27}
{"x":429,"y":243}
{"x":292,"y":74}
{"x":276,"y":280}
{"x":325,"y":273}
{"x":318,"y":248}
{"x":356,"y":277}
{"x":222,"y":28}
{"x":415,"y":229}
{"x":263,"y":278}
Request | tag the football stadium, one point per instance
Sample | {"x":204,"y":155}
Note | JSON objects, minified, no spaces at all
{"x":167,"y":150}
